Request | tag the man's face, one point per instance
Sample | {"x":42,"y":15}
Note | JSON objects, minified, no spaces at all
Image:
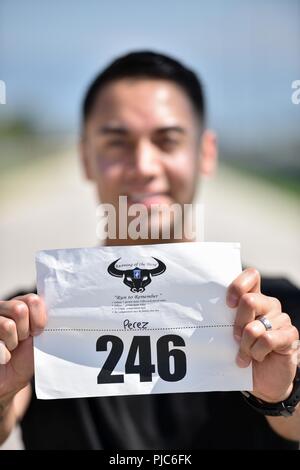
{"x":143,"y":140}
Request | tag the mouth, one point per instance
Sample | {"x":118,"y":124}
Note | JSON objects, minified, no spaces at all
{"x":149,"y":198}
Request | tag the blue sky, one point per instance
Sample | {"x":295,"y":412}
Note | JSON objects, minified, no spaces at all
{"x":247,"y":53}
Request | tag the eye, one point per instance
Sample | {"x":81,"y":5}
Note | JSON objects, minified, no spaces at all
{"x":128,"y":278}
{"x":145,"y":278}
{"x":167,"y":144}
{"x":117,"y":143}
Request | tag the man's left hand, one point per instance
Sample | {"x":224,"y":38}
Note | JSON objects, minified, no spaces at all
{"x":272,"y":351}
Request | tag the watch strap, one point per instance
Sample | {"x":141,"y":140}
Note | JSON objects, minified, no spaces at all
{"x":283,"y":408}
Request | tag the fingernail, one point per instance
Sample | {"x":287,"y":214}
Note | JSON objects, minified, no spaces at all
{"x":242,"y":362}
{"x":3,"y":354}
{"x":37,"y":332}
{"x":232,"y":300}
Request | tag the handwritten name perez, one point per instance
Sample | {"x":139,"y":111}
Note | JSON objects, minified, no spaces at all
{"x":136,"y":325}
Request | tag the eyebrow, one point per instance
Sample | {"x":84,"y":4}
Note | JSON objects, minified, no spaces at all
{"x":178,"y":129}
{"x":112,"y":129}
{"x":119,"y":130}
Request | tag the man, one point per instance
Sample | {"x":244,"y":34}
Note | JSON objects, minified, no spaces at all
{"x":144,"y":136}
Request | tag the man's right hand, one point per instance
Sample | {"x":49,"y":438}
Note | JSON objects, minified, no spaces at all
{"x":20,"y":319}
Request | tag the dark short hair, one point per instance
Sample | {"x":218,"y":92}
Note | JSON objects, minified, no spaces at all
{"x":147,"y":64}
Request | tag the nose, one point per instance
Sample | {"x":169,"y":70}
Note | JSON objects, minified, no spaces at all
{"x":146,"y":161}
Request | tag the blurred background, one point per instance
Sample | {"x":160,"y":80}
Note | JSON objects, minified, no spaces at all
{"x":247,"y":54}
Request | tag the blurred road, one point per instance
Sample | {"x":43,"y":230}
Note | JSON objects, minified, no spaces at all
{"x":266,"y":222}
{"x":48,"y":205}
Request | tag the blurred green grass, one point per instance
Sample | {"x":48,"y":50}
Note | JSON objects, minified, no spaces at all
{"x":24,"y":150}
{"x":22,"y":145}
{"x":284,"y":179}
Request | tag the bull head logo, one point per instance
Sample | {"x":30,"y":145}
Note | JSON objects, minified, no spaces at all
{"x":137,"y":279}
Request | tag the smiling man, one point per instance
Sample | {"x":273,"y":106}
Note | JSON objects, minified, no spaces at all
{"x":144,"y":137}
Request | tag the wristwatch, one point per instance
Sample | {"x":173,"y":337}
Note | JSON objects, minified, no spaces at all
{"x":283,"y":408}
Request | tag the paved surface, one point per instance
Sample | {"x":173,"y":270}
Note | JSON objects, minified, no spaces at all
{"x":264,"y":220}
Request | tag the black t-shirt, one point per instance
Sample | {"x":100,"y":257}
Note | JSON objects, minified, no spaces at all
{"x":214,"y":420}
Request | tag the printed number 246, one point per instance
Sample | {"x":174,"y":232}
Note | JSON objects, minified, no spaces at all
{"x":141,"y":347}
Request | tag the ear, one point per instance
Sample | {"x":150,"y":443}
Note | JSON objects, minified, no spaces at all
{"x":83,"y":152}
{"x":208,"y":153}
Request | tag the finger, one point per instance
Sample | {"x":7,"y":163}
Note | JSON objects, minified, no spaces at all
{"x":247,"y":281}
{"x":19,"y":313}
{"x":255,"y":329}
{"x":8,"y":333}
{"x":251,"y":306}
{"x":279,"y":341}
{"x":37,"y":312}
{"x":4,"y":354}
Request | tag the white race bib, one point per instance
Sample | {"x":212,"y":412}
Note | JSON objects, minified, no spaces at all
{"x":137,"y":320}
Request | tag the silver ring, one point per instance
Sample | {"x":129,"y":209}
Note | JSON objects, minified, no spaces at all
{"x":267,"y":324}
